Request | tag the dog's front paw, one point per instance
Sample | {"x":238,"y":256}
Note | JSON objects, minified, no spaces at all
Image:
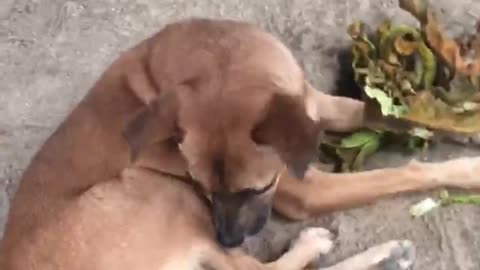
{"x":316,"y":238}
{"x":393,"y":255}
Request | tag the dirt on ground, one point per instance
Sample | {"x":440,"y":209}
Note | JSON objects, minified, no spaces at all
{"x":52,"y":51}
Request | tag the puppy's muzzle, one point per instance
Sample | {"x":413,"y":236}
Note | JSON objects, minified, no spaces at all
{"x":240,"y":214}
{"x":231,"y":227}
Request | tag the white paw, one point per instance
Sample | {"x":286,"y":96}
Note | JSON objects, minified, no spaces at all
{"x":317,"y":238}
{"x":393,"y":255}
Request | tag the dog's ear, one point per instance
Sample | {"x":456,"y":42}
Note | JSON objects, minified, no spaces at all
{"x":287,"y":128}
{"x":154,"y":123}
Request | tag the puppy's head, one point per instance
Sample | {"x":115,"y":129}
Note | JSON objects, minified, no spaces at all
{"x":239,"y":115}
{"x":238,"y":152}
{"x":235,"y":146}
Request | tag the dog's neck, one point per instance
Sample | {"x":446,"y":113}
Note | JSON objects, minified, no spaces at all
{"x":163,"y":157}
{"x":167,"y":160}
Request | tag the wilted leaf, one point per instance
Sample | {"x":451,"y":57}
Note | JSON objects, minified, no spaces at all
{"x":461,"y":90}
{"x":363,"y":51}
{"x":406,"y":86}
{"x":443,"y":45}
{"x":430,"y":112}
{"x":404,"y":46}
{"x":356,"y":30}
{"x":383,"y":28}
{"x":400,"y":39}
{"x":416,"y":7}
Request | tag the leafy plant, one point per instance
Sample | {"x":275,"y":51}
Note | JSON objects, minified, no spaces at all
{"x":416,"y":76}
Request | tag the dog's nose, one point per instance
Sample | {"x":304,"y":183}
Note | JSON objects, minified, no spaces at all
{"x":230,"y":240}
{"x":228,"y":233}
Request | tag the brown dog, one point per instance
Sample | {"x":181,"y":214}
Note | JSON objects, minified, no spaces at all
{"x":219,"y":103}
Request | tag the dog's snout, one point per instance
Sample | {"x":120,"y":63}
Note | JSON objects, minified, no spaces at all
{"x":229,"y":240}
{"x":228,"y":232}
{"x":235,"y":219}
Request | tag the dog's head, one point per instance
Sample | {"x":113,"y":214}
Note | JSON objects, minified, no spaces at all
{"x":235,"y":148}
{"x":236,"y":135}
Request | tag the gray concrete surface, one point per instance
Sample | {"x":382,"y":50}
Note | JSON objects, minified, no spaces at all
{"x":51,"y":51}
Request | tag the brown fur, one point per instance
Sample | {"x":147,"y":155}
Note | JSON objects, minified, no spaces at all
{"x":219,"y":101}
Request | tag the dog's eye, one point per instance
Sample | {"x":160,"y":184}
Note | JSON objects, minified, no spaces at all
{"x":252,"y":192}
{"x":176,"y":139}
{"x":258,"y":137}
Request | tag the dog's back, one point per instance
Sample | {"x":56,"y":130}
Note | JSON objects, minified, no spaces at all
{"x":142,"y":221}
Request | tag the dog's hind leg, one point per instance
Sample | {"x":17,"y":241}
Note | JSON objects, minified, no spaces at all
{"x":311,"y":243}
{"x":322,"y":192}
{"x":392,"y":255}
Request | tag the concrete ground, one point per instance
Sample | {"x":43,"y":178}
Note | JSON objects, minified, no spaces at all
{"x":51,"y":52}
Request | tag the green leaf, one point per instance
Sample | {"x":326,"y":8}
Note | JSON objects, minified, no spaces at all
{"x":352,"y":150}
{"x":429,"y":63}
{"x":347,"y":155}
{"x":385,"y":102}
{"x":447,"y":199}
{"x":429,"y":204}
{"x":356,"y":148}
{"x":366,"y":151}
{"x":359,"y":139}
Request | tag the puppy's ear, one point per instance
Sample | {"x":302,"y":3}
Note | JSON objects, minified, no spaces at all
{"x":153,"y":123}
{"x":290,"y":131}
